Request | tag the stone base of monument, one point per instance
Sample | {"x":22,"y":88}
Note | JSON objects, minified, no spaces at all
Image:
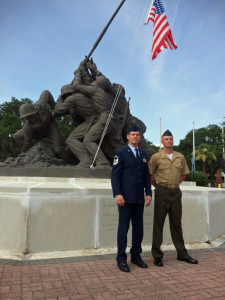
{"x":44,"y":214}
{"x":56,"y":171}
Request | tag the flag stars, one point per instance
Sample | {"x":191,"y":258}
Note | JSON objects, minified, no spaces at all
{"x":159,"y":7}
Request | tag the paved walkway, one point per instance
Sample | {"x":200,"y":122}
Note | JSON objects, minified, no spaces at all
{"x":97,"y":277}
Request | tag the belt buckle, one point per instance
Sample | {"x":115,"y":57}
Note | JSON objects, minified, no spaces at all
{"x":173,"y":186}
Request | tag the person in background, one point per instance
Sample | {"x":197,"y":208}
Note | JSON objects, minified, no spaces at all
{"x":168,"y":169}
{"x":130,"y":178}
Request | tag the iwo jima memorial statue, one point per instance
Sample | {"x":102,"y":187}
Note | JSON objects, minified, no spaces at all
{"x":100,"y":110}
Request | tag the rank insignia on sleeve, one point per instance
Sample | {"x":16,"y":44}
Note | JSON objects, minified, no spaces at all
{"x":116,"y":160}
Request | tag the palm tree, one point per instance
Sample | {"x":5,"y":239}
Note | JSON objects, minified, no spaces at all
{"x":205,"y":155}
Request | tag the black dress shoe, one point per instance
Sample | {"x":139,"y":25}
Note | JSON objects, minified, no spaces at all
{"x":188,"y":259}
{"x":139,"y":263}
{"x":158,"y":262}
{"x":123,"y":267}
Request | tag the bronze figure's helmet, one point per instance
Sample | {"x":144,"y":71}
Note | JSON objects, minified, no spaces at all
{"x":27,"y":109}
{"x":67,"y":90}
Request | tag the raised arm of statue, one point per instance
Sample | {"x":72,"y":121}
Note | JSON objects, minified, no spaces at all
{"x":45,"y":99}
{"x":63,"y":108}
{"x":81,"y":75}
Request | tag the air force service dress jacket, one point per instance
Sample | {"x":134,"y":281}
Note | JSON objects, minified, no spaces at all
{"x":130,"y":176}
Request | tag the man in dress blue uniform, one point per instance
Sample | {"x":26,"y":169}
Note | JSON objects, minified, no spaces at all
{"x":131,"y":187}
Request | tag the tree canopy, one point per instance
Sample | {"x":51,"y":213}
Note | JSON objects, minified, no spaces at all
{"x":204,"y":154}
{"x":209,"y":137}
{"x":10,"y":122}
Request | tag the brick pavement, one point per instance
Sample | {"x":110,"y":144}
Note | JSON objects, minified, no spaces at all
{"x":98,"y":278}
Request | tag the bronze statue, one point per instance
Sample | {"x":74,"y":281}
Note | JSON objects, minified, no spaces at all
{"x":88,"y":99}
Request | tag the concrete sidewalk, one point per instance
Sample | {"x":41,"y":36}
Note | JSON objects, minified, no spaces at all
{"x":97,"y":277}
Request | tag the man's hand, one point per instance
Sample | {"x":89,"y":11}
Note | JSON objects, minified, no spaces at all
{"x":92,"y":67}
{"x":120,"y":200}
{"x":153,"y":182}
{"x":182,"y":178}
{"x":148,"y":200}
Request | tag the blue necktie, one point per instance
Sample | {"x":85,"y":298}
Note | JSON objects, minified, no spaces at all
{"x":137,"y":153}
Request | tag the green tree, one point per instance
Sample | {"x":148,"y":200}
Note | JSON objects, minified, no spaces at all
{"x":198,"y":177}
{"x":223,"y":134}
{"x":204,"y":155}
{"x":150,"y":144}
{"x":66,"y":124}
{"x":10,"y":122}
{"x":211,"y":136}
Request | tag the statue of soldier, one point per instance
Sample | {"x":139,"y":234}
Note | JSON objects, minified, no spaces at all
{"x":102,"y":101}
{"x":39,"y":124}
{"x":88,"y":98}
{"x":81,"y":108}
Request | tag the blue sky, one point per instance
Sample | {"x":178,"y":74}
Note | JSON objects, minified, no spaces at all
{"x":43,"y":42}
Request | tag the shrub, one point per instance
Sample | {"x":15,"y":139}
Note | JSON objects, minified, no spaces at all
{"x":201,"y":180}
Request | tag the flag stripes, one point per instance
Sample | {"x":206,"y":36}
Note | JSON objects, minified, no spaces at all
{"x":162,"y":34}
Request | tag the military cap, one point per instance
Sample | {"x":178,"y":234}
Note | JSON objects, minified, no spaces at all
{"x":133,"y":128}
{"x":167,"y":133}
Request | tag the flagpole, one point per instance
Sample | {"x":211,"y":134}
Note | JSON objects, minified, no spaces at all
{"x":223,"y":158}
{"x":104,"y":30}
{"x":223,"y":139}
{"x":193,"y":156}
{"x":160,"y":134}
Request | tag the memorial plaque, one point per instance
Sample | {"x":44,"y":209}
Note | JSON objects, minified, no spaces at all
{"x":108,"y":223}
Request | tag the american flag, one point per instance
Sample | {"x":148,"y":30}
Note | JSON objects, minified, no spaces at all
{"x":162,"y":35}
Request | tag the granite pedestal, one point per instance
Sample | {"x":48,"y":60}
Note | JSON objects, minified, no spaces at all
{"x":39,"y":214}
